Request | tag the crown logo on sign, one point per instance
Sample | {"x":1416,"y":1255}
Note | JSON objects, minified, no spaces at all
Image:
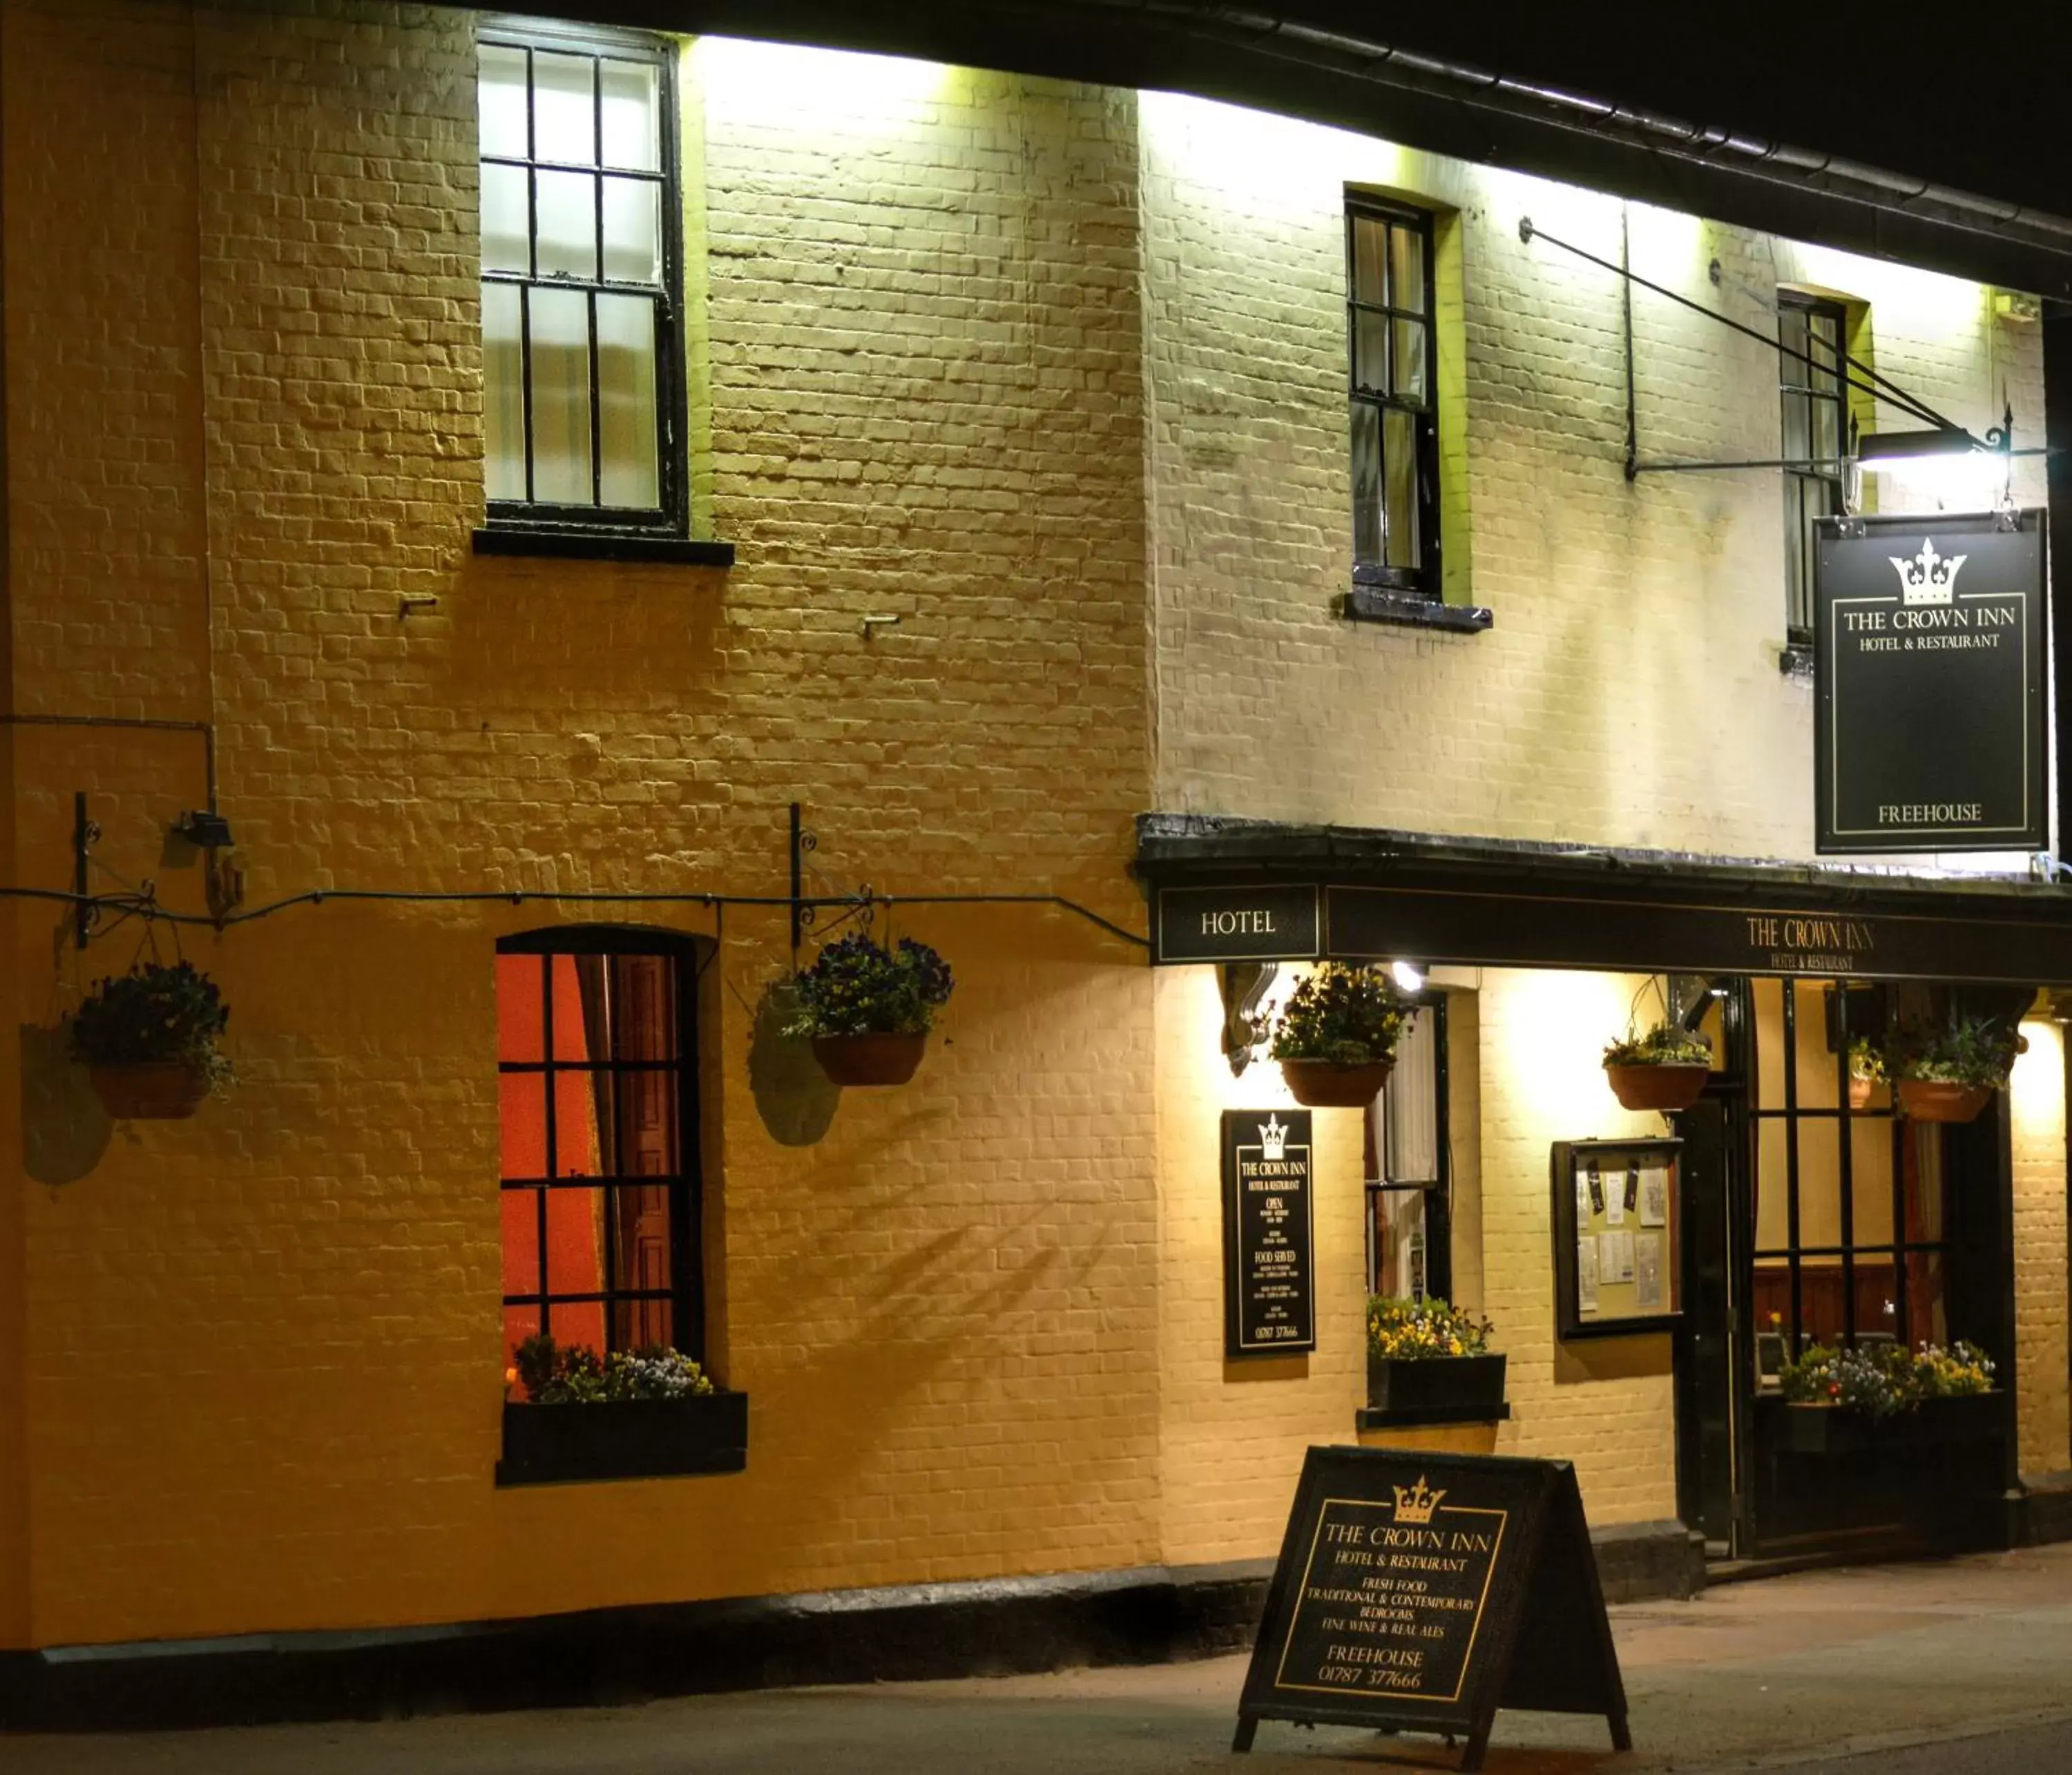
{"x":1928,"y":578}
{"x":1273,"y":1137}
{"x":1416,"y":1504}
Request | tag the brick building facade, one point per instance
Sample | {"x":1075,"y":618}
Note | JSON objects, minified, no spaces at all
{"x":1055,"y":375}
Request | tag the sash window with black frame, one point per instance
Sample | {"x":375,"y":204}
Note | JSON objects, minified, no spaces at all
{"x":1393,"y":363}
{"x":1815,"y":418}
{"x":581,"y":325}
{"x":1409,"y":1220}
{"x":597,"y":1063}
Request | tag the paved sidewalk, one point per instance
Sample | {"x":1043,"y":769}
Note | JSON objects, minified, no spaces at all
{"x":1970,"y":1659}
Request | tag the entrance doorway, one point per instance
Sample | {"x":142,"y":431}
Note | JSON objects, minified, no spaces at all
{"x":1815,"y":1216}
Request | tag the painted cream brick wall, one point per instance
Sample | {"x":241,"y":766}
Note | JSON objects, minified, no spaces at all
{"x":262,"y":1348}
{"x":2037,"y":1097}
{"x":1628,"y":693}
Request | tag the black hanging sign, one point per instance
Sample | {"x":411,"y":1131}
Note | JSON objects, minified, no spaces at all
{"x":1256,"y":922}
{"x":1928,"y":664}
{"x":1422,"y":1591}
{"x":1269,"y":1302}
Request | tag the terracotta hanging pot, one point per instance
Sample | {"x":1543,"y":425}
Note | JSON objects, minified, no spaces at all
{"x":1938,"y":1100}
{"x":1664,"y":1088}
{"x":1325,"y":1084}
{"x":150,"y":1090}
{"x":875,"y":1059}
{"x":1862,"y":1091}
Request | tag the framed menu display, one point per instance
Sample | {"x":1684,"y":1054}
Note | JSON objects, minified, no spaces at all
{"x":1617,"y":1232}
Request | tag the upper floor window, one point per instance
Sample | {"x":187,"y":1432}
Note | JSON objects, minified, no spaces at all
{"x":1815,"y":423}
{"x":596,"y":1062}
{"x":1394,"y":397}
{"x":581,"y":324}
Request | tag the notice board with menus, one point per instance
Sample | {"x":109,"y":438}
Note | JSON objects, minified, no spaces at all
{"x":1618,"y":1219}
{"x":1422,"y":1591}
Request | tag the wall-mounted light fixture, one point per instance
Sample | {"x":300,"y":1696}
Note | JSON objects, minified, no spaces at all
{"x":1407,"y":975}
{"x":206,"y":831}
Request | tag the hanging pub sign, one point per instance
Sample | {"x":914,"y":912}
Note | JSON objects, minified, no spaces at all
{"x":1269,"y":1301}
{"x":1929,"y":656}
{"x":1421,"y":1592}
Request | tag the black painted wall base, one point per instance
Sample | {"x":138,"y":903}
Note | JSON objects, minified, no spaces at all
{"x":616,"y":1656}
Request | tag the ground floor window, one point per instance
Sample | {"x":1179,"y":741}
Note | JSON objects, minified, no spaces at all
{"x":597,"y":1064}
{"x":1409,"y":1223}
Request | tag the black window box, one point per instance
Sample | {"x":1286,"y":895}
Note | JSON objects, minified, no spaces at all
{"x":633,"y":546}
{"x":1470,"y":1386}
{"x":1830,"y":1430}
{"x":630,"y":1439}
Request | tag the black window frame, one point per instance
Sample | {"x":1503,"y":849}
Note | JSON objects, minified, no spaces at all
{"x":1810,"y":492}
{"x":686,"y":1292}
{"x":1435,"y":1192}
{"x":671,"y":517}
{"x":1422,"y":580}
{"x":1793,"y":1338}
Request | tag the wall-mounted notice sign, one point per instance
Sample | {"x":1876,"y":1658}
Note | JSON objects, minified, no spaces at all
{"x":1257,"y":922}
{"x":1422,"y":1591}
{"x":1928,"y":663}
{"x":1269,"y":1302}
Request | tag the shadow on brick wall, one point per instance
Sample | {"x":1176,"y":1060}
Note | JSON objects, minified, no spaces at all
{"x":65,"y":1129}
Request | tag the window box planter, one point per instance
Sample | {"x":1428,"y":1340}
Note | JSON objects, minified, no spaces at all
{"x":150,"y":1090}
{"x":1449,"y":1384}
{"x":1937,"y":1100}
{"x":878,"y":1059}
{"x":1325,"y":1084}
{"x":1664,"y":1088}
{"x":627,"y":1439}
{"x":1830,"y":1430}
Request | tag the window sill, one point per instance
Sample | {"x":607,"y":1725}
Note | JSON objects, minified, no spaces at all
{"x":1370,"y":1417}
{"x":1796,"y":662}
{"x":1377,"y":604}
{"x":602,"y":545}
{"x":635,"y":1439}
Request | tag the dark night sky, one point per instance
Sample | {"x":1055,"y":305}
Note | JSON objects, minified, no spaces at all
{"x":1977,"y":96}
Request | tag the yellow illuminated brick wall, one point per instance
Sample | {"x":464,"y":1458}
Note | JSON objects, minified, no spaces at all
{"x":2035,"y":1095}
{"x":1628,"y":693}
{"x":261,"y":1368}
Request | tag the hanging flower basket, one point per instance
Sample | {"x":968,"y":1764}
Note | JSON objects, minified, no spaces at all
{"x":1664,"y":1070}
{"x":1336,"y":1037}
{"x":1324,"y":1084}
{"x":867,"y":1009}
{"x":1862,"y":1091}
{"x":1942,"y":1100}
{"x":886,"y":1059}
{"x":1664,"y":1088}
{"x":150,"y":1091}
{"x":148,"y":1039}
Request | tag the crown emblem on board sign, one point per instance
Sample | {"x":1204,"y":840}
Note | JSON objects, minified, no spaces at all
{"x":1273,"y":1137}
{"x":1928,"y":577}
{"x":1416,"y":1504}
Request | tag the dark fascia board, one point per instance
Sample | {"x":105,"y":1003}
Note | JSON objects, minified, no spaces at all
{"x":1180,"y":849}
{"x":1248,"y":58}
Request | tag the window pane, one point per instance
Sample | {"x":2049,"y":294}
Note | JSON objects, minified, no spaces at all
{"x":502,"y":401}
{"x":1370,"y":259}
{"x":575,"y":1242}
{"x":520,"y":1323}
{"x":1409,"y":360}
{"x":522,"y":1116}
{"x":579,"y":1009}
{"x":628,"y":436}
{"x":632,"y":231}
{"x":1870,"y":1180}
{"x":521,"y":1241}
{"x":1922,"y":1153}
{"x":1823,"y":337}
{"x":1398,"y":456}
{"x":1370,"y":351}
{"x":580,"y":1123}
{"x":564,"y":108}
{"x":1819,"y":1183}
{"x":641,"y":1238}
{"x":1877,"y":1301}
{"x":503,"y":199}
{"x":1827,"y":430}
{"x":502,"y":101}
{"x":1798,"y":430}
{"x":644,"y":1013}
{"x":1791,"y":335}
{"x":1773,"y":1225}
{"x":519,"y":1035}
{"x":560,"y":396}
{"x":1397,"y":1240}
{"x":1406,"y":269}
{"x":1927,"y":1307}
{"x":631,"y":136}
{"x":567,"y":225}
{"x":1367,"y":484}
